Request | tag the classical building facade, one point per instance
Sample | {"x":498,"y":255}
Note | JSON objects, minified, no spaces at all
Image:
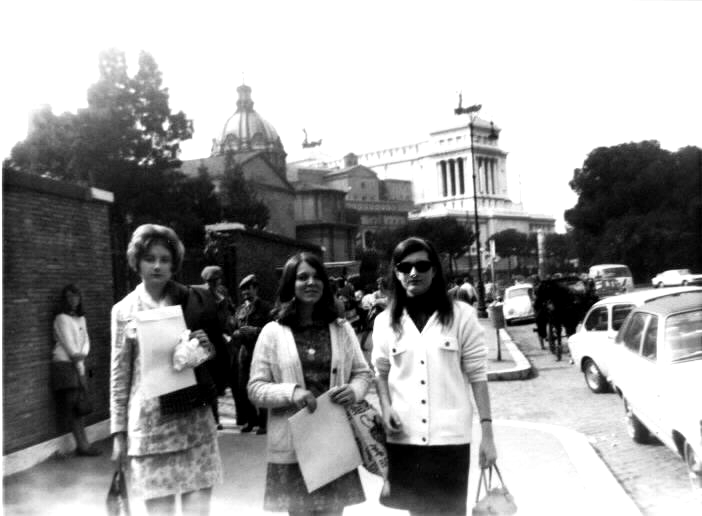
{"x":441,"y":174}
{"x":379,"y":204}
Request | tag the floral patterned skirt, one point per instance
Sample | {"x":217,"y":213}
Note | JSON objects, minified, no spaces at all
{"x":286,"y":491}
{"x":163,"y":474}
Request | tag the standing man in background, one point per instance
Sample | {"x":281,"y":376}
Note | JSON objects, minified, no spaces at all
{"x":251,"y":316}
{"x":218,"y":331}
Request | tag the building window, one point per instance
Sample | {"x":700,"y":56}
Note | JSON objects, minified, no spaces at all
{"x":363,"y":185}
{"x":461,"y":178}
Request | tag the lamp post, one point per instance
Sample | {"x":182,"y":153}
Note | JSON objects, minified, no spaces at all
{"x":472,"y":112}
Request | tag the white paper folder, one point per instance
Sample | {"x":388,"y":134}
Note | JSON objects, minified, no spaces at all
{"x":159,"y":331}
{"x":324,"y":443}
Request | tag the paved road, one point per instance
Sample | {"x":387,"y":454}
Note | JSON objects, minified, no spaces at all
{"x":654,"y":477}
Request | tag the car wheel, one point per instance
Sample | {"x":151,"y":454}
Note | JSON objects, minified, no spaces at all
{"x":594,"y":378}
{"x":694,"y":466}
{"x":684,"y":283}
{"x":659,"y":284}
{"x":635,"y":428}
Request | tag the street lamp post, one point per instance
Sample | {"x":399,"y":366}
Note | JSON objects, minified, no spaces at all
{"x":472,"y":112}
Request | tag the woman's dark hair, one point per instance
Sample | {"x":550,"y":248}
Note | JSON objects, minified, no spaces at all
{"x":148,"y":234}
{"x":285,"y":310}
{"x":64,"y":306}
{"x":436,"y":296}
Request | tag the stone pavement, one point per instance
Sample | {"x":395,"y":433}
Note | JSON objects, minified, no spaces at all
{"x":548,"y":469}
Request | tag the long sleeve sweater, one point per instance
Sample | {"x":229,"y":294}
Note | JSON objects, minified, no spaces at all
{"x":276,"y":370}
{"x":429,"y":374}
{"x":72,"y":340}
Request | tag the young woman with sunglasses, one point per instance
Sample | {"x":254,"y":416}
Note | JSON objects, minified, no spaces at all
{"x":430,"y":355}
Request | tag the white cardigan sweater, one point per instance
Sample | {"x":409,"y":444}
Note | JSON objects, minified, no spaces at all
{"x":276,"y":370}
{"x":429,"y":374}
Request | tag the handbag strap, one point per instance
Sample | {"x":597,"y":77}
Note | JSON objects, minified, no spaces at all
{"x":486,"y":479}
{"x":497,"y":470}
{"x":481,"y":481}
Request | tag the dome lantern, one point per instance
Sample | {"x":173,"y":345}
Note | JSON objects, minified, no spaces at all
{"x":247,"y":131}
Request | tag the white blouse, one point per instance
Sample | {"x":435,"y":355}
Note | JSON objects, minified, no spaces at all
{"x":71,"y":336}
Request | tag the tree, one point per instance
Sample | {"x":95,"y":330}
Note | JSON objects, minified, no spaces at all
{"x":510,"y":242}
{"x":450,"y":237}
{"x":240,"y":202}
{"x":126,"y":141}
{"x":640,"y":205}
{"x":559,"y":251}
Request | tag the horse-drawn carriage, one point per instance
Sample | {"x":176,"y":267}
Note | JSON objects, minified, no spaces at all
{"x":560,"y":303}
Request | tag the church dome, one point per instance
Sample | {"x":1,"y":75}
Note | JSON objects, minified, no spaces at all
{"x":246,"y":130}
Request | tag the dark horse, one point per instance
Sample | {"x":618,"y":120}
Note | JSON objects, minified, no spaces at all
{"x":560,"y":304}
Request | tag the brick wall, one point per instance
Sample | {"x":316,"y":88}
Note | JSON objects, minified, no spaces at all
{"x":53,"y":234}
{"x":249,"y":251}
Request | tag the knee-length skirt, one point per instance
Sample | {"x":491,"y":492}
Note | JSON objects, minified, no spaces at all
{"x":286,"y":491}
{"x":163,"y":474}
{"x":428,"y":479}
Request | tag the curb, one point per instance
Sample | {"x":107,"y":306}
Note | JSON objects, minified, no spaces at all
{"x":595,"y":476}
{"x":522,"y":369}
{"x":64,"y":444}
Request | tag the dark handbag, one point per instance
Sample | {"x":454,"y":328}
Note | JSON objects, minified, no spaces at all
{"x":84,"y":405}
{"x":117,"y":500}
{"x":497,"y":500}
{"x":367,"y":426}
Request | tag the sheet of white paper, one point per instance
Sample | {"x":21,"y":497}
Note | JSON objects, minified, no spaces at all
{"x":158,"y":332}
{"x":324,"y":443}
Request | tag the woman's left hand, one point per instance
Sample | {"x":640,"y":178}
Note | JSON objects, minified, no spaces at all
{"x":487,"y":455}
{"x":204,"y":341}
{"x":342,"y":395}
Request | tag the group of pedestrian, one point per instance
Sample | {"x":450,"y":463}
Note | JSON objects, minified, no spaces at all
{"x":429,"y":353}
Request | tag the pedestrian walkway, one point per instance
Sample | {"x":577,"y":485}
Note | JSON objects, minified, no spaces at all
{"x":549,"y":469}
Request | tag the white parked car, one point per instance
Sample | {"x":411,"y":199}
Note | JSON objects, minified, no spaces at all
{"x":591,"y":346}
{"x":676,"y":277}
{"x":657,"y":369}
{"x":616,"y":271}
{"x":519,"y":303}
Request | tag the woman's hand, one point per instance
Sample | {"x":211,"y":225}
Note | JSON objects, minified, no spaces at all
{"x":392,"y":422}
{"x":80,"y":367}
{"x":487,"y":455}
{"x":119,"y":449}
{"x":302,"y":398}
{"x":204,"y":341}
{"x":202,"y":338}
{"x":342,"y":395}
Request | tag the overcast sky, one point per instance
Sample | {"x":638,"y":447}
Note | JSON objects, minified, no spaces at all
{"x":559,"y":78}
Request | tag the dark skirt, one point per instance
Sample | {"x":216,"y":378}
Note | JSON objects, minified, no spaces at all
{"x":64,"y":376}
{"x":286,"y":491}
{"x":428,"y":479}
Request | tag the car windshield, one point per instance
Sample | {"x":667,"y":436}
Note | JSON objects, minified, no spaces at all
{"x":683,"y":332}
{"x":518,"y":292}
{"x":611,"y":272}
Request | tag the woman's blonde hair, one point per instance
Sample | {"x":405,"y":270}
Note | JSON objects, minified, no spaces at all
{"x":148,"y":234}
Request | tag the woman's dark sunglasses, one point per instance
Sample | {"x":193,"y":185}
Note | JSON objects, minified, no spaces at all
{"x":406,"y":267}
